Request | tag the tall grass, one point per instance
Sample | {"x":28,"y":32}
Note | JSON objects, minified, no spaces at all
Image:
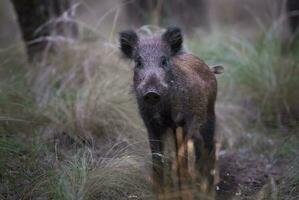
{"x":261,"y":75}
{"x":70,"y":127}
{"x":79,"y":106}
{"x":86,"y":92}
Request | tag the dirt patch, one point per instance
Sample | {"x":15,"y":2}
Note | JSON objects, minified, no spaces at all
{"x":243,"y":175}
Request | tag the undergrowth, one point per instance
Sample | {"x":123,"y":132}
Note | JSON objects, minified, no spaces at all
{"x":70,"y":127}
{"x":260,"y":74}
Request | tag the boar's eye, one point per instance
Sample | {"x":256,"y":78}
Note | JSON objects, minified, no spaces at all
{"x":138,"y":62}
{"x":164,"y":61}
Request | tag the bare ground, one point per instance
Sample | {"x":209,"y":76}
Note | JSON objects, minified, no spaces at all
{"x":245,"y":175}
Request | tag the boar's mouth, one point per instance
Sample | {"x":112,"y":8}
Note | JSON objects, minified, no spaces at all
{"x":152,"y":97}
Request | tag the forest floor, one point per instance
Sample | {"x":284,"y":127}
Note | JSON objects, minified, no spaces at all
{"x":244,"y":176}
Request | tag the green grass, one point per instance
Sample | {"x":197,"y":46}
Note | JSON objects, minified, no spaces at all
{"x":289,"y":184}
{"x":22,"y":167}
{"x":259,"y":73}
{"x":287,"y":151}
{"x":89,"y":176}
{"x":70,"y":127}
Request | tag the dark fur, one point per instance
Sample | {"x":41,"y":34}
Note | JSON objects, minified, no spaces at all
{"x":186,"y":84}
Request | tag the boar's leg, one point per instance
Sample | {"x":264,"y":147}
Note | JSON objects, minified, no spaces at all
{"x":192,"y":130}
{"x":202,"y":136}
{"x":171,"y":181}
{"x":182,"y":162}
{"x":155,"y":132}
{"x":205,"y":151}
{"x":207,"y":132}
{"x":181,"y":157}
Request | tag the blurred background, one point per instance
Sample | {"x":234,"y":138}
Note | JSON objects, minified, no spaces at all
{"x":69,"y":126}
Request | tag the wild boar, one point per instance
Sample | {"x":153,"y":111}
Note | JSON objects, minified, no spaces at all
{"x":173,"y":89}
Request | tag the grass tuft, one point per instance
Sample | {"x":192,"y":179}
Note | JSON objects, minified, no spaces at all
{"x":261,"y":75}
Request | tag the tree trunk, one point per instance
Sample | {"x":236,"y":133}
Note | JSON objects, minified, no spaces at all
{"x":293,"y":15}
{"x":188,"y":14}
{"x":39,"y":20}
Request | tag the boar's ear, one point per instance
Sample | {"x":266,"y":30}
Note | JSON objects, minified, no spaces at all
{"x":128,"y":41}
{"x":217,"y":69}
{"x":173,"y":37}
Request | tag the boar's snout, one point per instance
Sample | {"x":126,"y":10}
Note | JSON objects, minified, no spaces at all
{"x":151,"y":97}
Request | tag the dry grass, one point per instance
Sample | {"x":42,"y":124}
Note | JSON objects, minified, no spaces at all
{"x":86,"y":91}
